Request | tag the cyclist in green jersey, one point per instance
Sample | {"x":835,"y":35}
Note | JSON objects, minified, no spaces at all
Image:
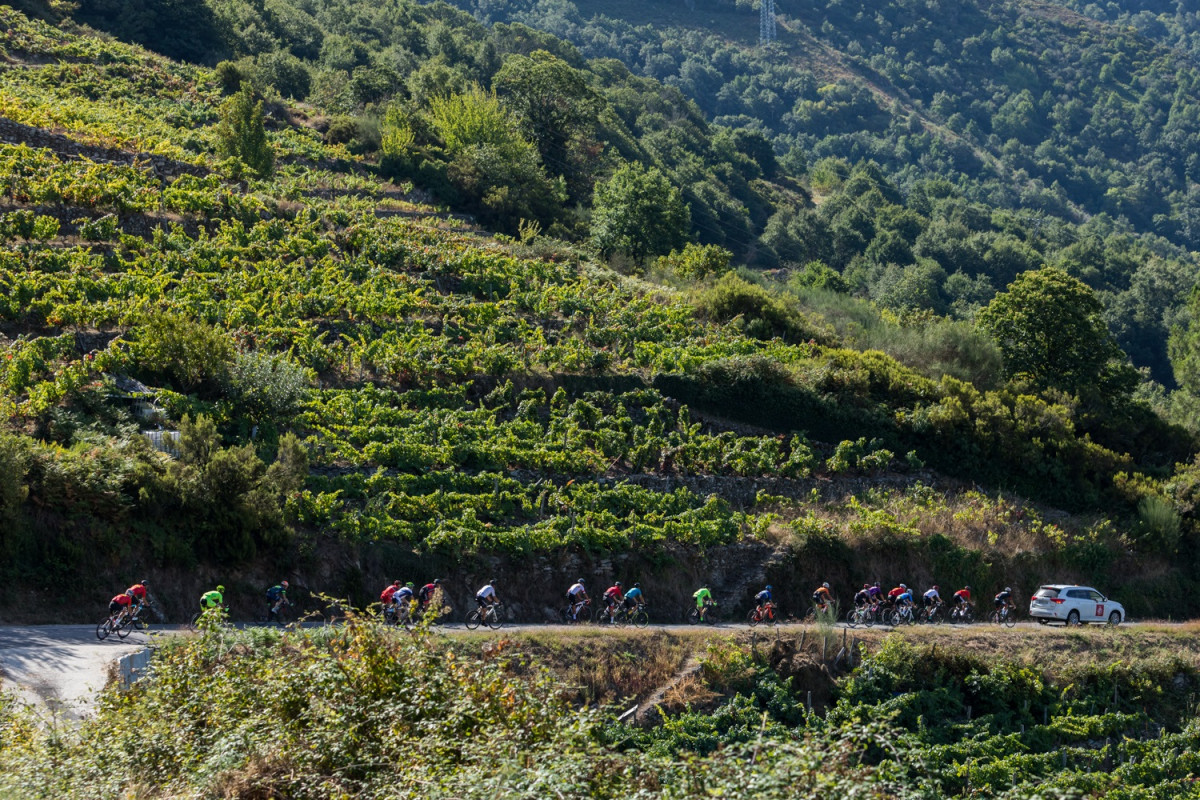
{"x":213,"y":599}
{"x":703,"y":598}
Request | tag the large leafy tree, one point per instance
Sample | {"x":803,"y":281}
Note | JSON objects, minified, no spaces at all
{"x":557,"y":108}
{"x":638,"y":213}
{"x":1184,"y":348}
{"x":1049,"y":328}
{"x":242,"y":133}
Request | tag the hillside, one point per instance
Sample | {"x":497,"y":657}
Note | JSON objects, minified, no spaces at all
{"x":220,"y":372}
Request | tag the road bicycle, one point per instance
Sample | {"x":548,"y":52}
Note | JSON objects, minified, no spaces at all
{"x":932,"y":615}
{"x":278,"y":611}
{"x":705,"y":615}
{"x":866,"y":615}
{"x":120,"y":623}
{"x":901,"y":615}
{"x":210,"y":619}
{"x":821,"y":612}
{"x":1004,"y":616}
{"x":620,"y":615}
{"x":961,"y":615}
{"x":486,"y":615}
{"x":580,"y":613}
{"x":764,"y":615}
{"x":399,"y":615}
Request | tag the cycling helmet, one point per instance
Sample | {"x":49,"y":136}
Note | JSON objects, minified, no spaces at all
{"x":825,"y":585}
{"x":579,"y":580}
{"x":936,"y":588}
{"x":902,"y":586}
{"x":866,"y":586}
{"x":968,"y":588}
{"x":144,"y":581}
{"x":221,"y":589}
{"x":437,"y":581}
{"x":491,"y":582}
{"x":1008,"y":588}
{"x":409,"y":584}
{"x":284,"y":584}
{"x":616,"y":583}
{"x":637,"y":586}
{"x":770,"y":588}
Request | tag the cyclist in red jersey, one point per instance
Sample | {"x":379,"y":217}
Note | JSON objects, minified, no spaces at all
{"x":425,"y":593}
{"x":963,"y":596}
{"x":388,"y":594}
{"x":120,"y":603}
{"x":613,"y":597}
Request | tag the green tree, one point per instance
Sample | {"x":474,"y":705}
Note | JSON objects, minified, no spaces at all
{"x":555,"y":104}
{"x":638,"y":212}
{"x":1049,"y":329}
{"x":1183,"y":346}
{"x":241,"y":133}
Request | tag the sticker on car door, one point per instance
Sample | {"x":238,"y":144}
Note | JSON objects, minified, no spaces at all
{"x":1099,"y":610}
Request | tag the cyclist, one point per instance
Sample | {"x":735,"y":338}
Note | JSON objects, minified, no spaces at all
{"x":634,"y":598}
{"x":137,"y":593}
{"x":763,"y":598}
{"x":577,"y":595}
{"x":875,"y":593}
{"x":613,"y":598}
{"x":120,"y":604}
{"x":895,"y":593}
{"x":212,"y":599}
{"x":905,"y":598}
{"x":1004,"y":599}
{"x":703,"y":598}
{"x":276,"y":599}
{"x":425,"y":593}
{"x":963,"y":597}
{"x":822,"y":597}
{"x":863,"y":596}
{"x":403,"y":599}
{"x":931,"y":598}
{"x":486,"y":597}
{"x":387,"y":598}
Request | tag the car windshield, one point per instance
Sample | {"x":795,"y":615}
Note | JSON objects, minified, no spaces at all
{"x":1046,"y":592}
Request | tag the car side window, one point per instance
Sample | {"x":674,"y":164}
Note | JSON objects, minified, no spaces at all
{"x":1077,"y":594}
{"x":1097,"y":597}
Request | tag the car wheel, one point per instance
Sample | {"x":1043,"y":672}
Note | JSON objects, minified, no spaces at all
{"x":1114,"y":619}
{"x":1041,"y":622}
{"x":1072,"y":619}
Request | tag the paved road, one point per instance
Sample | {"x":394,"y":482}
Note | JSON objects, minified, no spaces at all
{"x":60,"y":667}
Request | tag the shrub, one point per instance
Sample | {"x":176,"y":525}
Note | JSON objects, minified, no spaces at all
{"x":760,"y":313}
{"x":697,"y":262}
{"x":192,"y":355}
{"x":266,"y":386}
{"x":242,"y":134}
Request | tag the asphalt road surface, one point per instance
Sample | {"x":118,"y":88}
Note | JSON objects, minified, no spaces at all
{"x":60,"y":668}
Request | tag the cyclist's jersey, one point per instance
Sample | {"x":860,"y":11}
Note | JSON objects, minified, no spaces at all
{"x":1004,"y":597}
{"x":488,"y":592}
{"x":275,"y":592}
{"x":895,"y":593}
{"x":426,"y":592}
{"x":702,"y":596}
{"x":138,"y":592}
{"x":822,"y":594}
{"x":633,"y":594}
{"x":875,"y":591}
{"x":862,"y":598}
{"x":613,"y":594}
{"x":122,"y":599}
{"x":402,"y":594}
{"x":904,"y":597}
{"x":211,"y":599}
{"x":763,"y":597}
{"x":962,"y":595}
{"x":387,"y":594}
{"x":932,"y":594}
{"x":576,"y":590}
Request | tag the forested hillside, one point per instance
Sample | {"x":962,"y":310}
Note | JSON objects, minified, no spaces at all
{"x":240,"y":337}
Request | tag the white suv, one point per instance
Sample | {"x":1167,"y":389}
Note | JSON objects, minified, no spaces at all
{"x":1073,"y":605}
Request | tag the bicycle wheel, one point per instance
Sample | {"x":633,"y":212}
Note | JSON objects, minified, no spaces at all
{"x":753,"y":617}
{"x":124,"y":628}
{"x":104,"y":628}
{"x":584,"y":616}
{"x":493,"y":618}
{"x":640,"y":619}
{"x":809,"y":617}
{"x":473,"y":620}
{"x":1010,"y":618}
{"x":852,"y":618}
{"x":693,"y":617}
